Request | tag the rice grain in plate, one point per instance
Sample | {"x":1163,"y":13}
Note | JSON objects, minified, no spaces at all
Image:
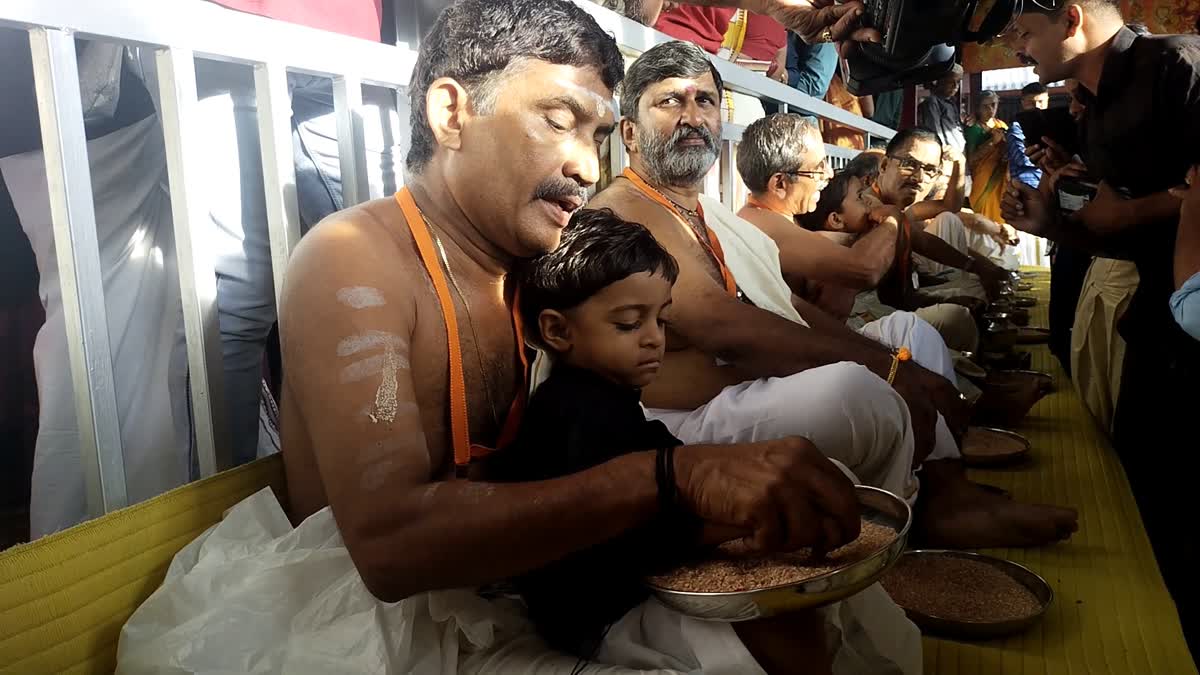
{"x":982,"y":442}
{"x":959,"y":589}
{"x":734,"y":569}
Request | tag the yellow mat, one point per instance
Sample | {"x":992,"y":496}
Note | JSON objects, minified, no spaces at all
{"x":64,"y":598}
{"x":1112,"y":614}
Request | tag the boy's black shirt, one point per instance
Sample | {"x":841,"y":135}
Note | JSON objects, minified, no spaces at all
{"x":577,"y":420}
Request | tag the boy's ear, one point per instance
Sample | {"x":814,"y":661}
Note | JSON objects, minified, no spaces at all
{"x":555,"y":331}
{"x":835,"y":222}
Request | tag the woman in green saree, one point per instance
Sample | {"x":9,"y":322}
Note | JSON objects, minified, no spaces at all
{"x":986,"y":158}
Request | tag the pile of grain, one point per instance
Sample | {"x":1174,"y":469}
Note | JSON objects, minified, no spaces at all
{"x":734,"y":569}
{"x":958,"y":589}
{"x":987,"y":443}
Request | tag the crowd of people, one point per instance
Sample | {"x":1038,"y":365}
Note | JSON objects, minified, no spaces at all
{"x":492,"y":378}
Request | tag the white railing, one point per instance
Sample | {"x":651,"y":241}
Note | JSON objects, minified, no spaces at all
{"x":177,"y":32}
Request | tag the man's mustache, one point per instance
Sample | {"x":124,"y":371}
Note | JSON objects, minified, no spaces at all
{"x":562,"y":190}
{"x":688,"y":133}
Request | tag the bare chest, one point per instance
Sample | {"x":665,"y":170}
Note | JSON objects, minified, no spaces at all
{"x":490,"y":367}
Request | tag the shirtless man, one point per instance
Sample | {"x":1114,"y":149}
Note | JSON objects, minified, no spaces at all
{"x":735,"y":372}
{"x":374,"y":425}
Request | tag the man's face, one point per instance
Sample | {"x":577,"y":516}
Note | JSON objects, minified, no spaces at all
{"x":521,"y":171}
{"x":948,"y":85}
{"x":677,"y":130}
{"x":910,"y":172}
{"x":1035,"y":102}
{"x":802,"y":192}
{"x":1052,"y":44}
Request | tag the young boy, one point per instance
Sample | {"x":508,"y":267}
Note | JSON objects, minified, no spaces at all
{"x":598,"y":305}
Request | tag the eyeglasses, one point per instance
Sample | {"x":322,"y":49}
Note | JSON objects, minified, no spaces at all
{"x":910,"y":165}
{"x":820,"y":176}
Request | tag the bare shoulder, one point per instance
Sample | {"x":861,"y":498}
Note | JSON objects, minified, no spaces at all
{"x":625,"y":200}
{"x":354,"y":255}
{"x":770,"y":223}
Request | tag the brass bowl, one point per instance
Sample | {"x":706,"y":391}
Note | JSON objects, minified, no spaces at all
{"x":979,"y":630}
{"x":878,"y":506}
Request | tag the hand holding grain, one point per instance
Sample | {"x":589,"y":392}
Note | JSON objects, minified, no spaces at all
{"x":782,"y":495}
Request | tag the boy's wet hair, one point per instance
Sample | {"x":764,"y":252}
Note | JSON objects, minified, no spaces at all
{"x":598,"y":249}
{"x":864,"y":167}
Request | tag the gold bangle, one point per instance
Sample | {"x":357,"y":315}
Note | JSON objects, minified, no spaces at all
{"x":901,"y":354}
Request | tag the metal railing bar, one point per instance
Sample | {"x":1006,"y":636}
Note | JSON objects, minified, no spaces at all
{"x":347,"y":105}
{"x":197,"y":276}
{"x":279,"y":168}
{"x":73,"y":216}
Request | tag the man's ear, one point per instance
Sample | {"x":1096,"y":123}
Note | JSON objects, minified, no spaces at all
{"x":1074,"y":17}
{"x":555,"y":330}
{"x":446,"y":109}
{"x":629,"y":134}
{"x":779,"y":185}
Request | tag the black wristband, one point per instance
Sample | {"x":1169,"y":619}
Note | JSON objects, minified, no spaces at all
{"x":664,"y":478}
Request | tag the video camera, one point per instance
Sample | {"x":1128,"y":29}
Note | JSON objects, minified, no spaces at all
{"x":921,"y":39}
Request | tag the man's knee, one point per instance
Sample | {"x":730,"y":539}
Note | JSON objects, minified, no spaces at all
{"x":955,"y":325}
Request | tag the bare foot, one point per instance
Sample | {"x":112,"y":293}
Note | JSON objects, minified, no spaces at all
{"x":1009,"y":403}
{"x":956,"y":513}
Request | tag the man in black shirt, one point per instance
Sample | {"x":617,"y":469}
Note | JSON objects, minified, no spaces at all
{"x":1142,"y":134}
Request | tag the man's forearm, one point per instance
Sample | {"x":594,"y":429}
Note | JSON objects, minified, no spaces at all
{"x":936,"y":249}
{"x":762,"y":344}
{"x":1101,"y":220}
{"x":465,"y":534}
{"x":876,"y":252}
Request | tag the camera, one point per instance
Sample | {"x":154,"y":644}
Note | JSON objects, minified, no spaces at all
{"x":921,"y":39}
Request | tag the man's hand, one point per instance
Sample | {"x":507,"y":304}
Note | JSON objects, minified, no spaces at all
{"x":781,"y":495}
{"x":1006,"y":235}
{"x":1048,"y":155}
{"x":992,"y":276}
{"x":1107,"y":212}
{"x":1028,"y":210}
{"x":810,"y":19}
{"x":1189,"y":194}
{"x":886,"y":214}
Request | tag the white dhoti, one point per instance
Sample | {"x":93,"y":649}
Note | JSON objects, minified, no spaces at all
{"x":950,"y":228}
{"x":141,"y":291}
{"x":255,"y":595}
{"x":848,"y":412}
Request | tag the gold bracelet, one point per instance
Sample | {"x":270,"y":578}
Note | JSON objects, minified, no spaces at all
{"x":901,"y":354}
